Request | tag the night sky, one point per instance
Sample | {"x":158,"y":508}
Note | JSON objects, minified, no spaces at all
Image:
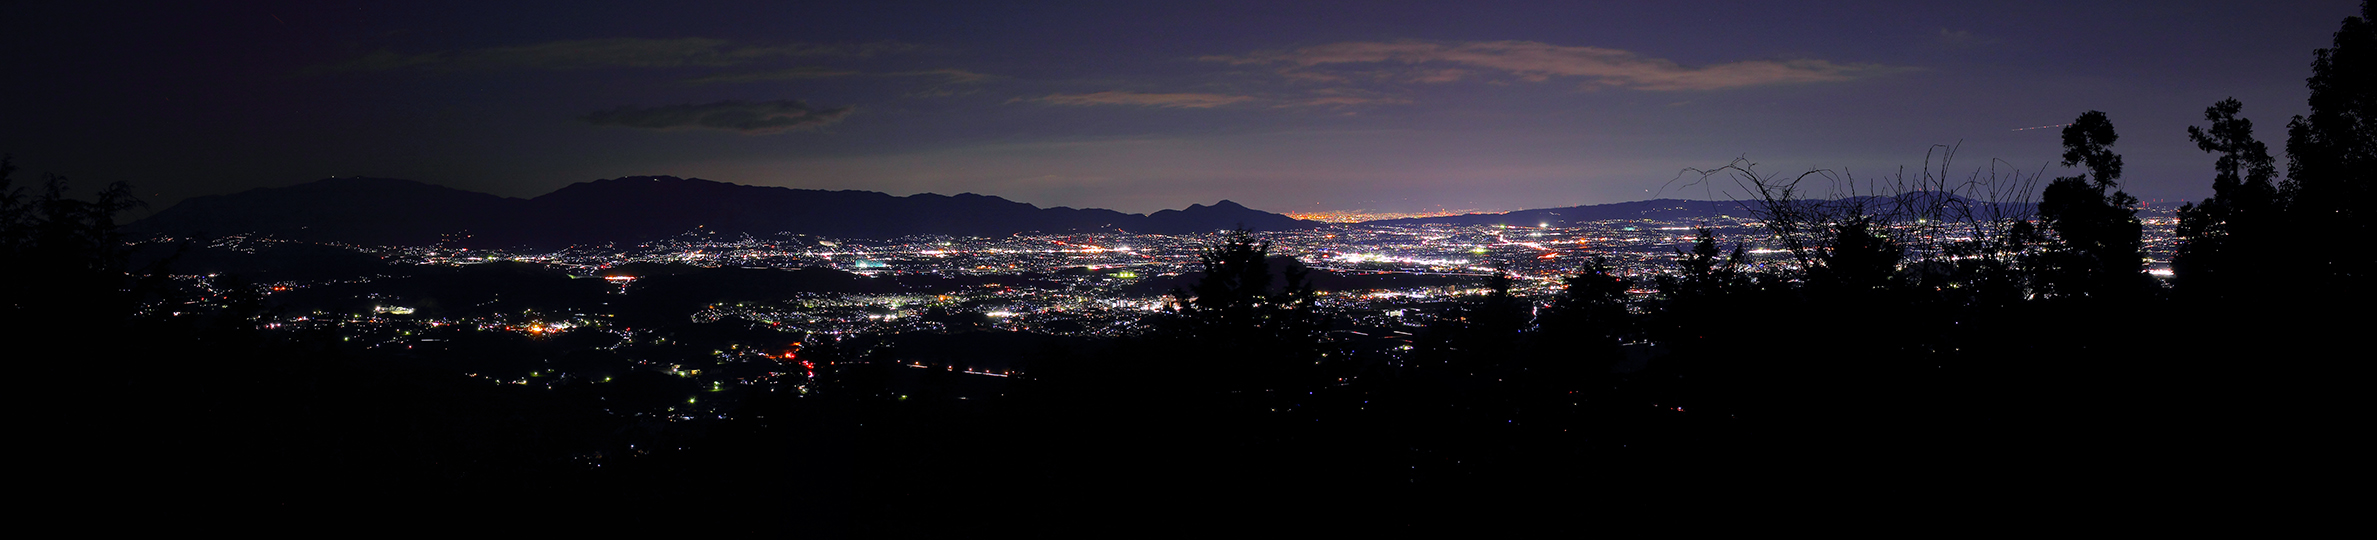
{"x":1134,"y":106}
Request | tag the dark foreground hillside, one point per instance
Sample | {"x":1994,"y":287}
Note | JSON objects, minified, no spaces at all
{"x":1727,"y":397}
{"x":1141,"y":437}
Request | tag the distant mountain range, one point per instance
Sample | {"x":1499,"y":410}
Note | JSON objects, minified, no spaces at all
{"x":1681,"y":209}
{"x":380,"y":211}
{"x":1659,"y":209}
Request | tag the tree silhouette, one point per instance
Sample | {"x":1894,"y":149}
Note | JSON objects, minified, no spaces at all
{"x":1500,"y":316}
{"x":1856,"y":262}
{"x":2229,"y":240}
{"x":1581,"y":336}
{"x":1261,"y":337}
{"x":1590,"y":316}
{"x":1228,"y":303}
{"x":2332,"y":154}
{"x":62,"y":262}
{"x":1706,"y":272}
{"x":2096,"y":254}
{"x":1699,"y":299}
{"x":1478,"y":337}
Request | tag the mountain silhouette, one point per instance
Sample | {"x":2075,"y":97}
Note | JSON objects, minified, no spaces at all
{"x":354,"y":210}
{"x":381,"y":211}
{"x":1659,"y":209}
{"x":1682,"y":209}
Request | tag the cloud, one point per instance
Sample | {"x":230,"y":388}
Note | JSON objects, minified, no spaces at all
{"x":946,"y":76}
{"x":1426,"y":62}
{"x":1342,"y":101}
{"x":1324,"y":97}
{"x":804,"y":72}
{"x":1117,"y":97}
{"x":1963,"y":38}
{"x":944,"y":82}
{"x":1310,"y":77}
{"x":1440,"y":76}
{"x":607,"y":53}
{"x":750,"y":118}
{"x":1344,"y":97}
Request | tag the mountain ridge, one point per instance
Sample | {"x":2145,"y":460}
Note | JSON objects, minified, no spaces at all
{"x":1671,"y":209}
{"x":385,"y":211}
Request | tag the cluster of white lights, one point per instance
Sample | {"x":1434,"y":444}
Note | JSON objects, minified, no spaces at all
{"x":1374,"y":257}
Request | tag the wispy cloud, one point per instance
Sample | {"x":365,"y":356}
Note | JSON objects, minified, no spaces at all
{"x":606,"y":53}
{"x":1431,"y":62}
{"x":752,"y":118}
{"x":944,"y":76}
{"x":1963,"y":38}
{"x":1324,"y":97}
{"x":1344,"y":101}
{"x":804,"y":72}
{"x":1343,"y":97}
{"x":939,"y":82}
{"x":1117,"y":97}
{"x":950,"y":82}
{"x":947,"y":76}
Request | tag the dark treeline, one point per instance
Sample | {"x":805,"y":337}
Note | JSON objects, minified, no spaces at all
{"x":1914,"y":351}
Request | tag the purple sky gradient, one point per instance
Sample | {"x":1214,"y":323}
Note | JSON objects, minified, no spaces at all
{"x":1392,"y":106}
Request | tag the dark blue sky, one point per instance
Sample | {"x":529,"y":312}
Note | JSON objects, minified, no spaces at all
{"x":1319,"y":106}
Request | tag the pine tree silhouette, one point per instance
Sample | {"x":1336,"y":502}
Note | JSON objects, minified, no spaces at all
{"x":2096,"y":254}
{"x":2230,"y":240}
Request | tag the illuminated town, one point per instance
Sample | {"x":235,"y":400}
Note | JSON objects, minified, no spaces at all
{"x":1383,"y":284}
{"x":1186,"y":269}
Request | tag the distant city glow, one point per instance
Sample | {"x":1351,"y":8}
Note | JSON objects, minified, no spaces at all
{"x":1359,"y":216}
